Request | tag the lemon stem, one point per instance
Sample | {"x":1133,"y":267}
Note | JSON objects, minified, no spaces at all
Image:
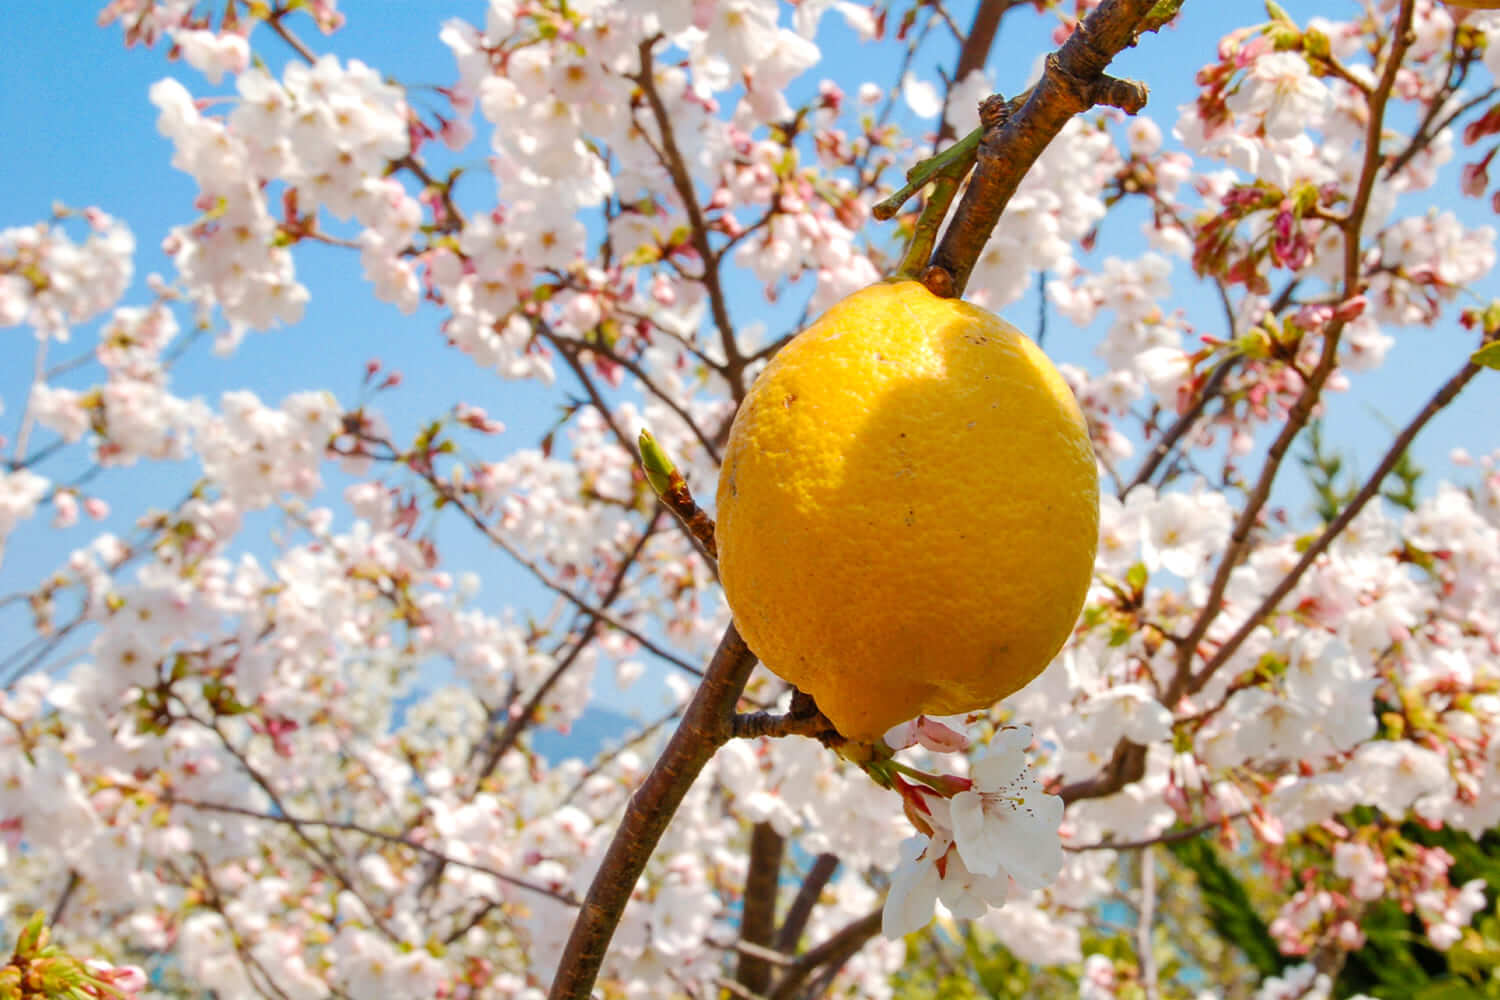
{"x":958,"y":156}
{"x":930,"y":222}
{"x":938,"y":783}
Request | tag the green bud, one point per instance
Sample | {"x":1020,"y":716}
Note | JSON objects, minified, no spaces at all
{"x":658,"y":467}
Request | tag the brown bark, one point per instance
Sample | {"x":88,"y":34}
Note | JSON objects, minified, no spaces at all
{"x":1073,"y":81}
{"x":704,"y":728}
{"x":832,"y":953}
{"x":758,"y":916}
{"x":797,"y":915}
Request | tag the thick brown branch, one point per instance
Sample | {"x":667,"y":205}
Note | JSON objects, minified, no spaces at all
{"x":1073,"y":82}
{"x":758,"y":914}
{"x":705,"y":727}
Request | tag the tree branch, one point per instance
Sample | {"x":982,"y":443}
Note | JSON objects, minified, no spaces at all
{"x":1073,"y":82}
{"x":1371,"y":488}
{"x":1184,"y":423}
{"x":833,"y":952}
{"x":797,"y":915}
{"x":389,"y":838}
{"x":758,"y":914}
{"x":1352,"y":226}
{"x":682,"y":183}
{"x":704,"y":728}
{"x":518,"y":721}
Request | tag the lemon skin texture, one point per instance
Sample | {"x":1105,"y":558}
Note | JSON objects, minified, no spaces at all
{"x":908,"y":510}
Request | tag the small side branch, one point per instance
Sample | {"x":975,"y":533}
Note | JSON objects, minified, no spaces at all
{"x":797,"y":915}
{"x":832,"y":953}
{"x":751,"y":725}
{"x":672,"y":488}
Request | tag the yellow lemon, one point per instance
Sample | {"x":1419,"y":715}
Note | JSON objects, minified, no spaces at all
{"x":907,"y":511}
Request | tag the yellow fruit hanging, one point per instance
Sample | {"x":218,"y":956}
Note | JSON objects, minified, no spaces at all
{"x":907,"y":511}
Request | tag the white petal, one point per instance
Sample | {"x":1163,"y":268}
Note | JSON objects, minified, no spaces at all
{"x":921,"y":96}
{"x":979,"y":838}
{"x":913,"y":893}
{"x":1032,"y":850}
{"x":1000,"y":766}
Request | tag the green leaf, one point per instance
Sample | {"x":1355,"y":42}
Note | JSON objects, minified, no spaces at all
{"x":1391,"y":962}
{"x":1451,"y":988}
{"x":1487,"y":356}
{"x":1229,"y":909}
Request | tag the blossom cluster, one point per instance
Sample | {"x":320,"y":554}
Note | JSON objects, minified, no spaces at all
{"x":271,"y":736}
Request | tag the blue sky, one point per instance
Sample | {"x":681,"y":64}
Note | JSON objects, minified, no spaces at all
{"x":80,"y":130}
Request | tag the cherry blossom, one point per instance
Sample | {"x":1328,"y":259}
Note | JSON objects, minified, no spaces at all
{"x":263,"y":727}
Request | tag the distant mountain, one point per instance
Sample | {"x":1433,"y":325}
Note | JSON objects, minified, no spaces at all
{"x":595,"y":729}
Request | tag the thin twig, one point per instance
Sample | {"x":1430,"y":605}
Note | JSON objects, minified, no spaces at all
{"x":601,"y":406}
{"x":1184,"y":423}
{"x":281,"y":31}
{"x":522,"y":718}
{"x":682,"y":183}
{"x":1371,"y":488}
{"x":1170,"y":837}
{"x":1144,"y":953}
{"x":1302,"y":409}
{"x":500,"y":541}
{"x":671,"y":488}
{"x":63,"y":898}
{"x":797,"y":915}
{"x":833,"y":952}
{"x":295,"y":821}
{"x":28,"y":413}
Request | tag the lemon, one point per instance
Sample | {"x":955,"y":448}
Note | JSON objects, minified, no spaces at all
{"x":907,"y":510}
